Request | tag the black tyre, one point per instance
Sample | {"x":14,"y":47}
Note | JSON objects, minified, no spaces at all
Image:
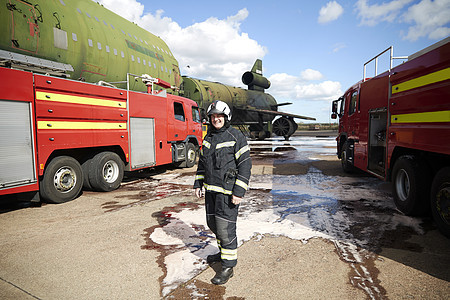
{"x":106,"y":171}
{"x":191,"y":155}
{"x":85,"y":167}
{"x":62,"y":180}
{"x":411,"y":186}
{"x":440,"y":200}
{"x":346,"y":163}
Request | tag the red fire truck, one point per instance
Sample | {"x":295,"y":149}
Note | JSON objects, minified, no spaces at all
{"x":58,"y":135}
{"x":396,"y":126}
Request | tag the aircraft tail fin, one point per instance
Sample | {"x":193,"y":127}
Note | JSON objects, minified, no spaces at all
{"x":257,"y":67}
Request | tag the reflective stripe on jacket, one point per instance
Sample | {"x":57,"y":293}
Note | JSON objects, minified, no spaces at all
{"x":224,"y":164}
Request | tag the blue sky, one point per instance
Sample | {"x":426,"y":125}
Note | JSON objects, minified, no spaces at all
{"x":312,"y":51}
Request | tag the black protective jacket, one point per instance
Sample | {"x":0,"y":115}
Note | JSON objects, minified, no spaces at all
{"x":224,"y":165}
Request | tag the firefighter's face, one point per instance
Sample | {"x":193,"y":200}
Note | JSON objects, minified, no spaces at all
{"x":218,"y":120}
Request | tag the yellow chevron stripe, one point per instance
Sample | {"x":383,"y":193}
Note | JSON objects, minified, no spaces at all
{"x":422,"y":81}
{"x":424,"y":117}
{"x":80,"y":125}
{"x":45,"y":96}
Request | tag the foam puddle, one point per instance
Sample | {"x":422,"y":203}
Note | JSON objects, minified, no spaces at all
{"x":351,"y":212}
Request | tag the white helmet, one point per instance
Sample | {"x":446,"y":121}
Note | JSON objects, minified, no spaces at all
{"x":219,"y":107}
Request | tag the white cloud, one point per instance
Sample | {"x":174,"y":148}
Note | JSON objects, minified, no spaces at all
{"x":214,"y":49}
{"x":373,"y":14}
{"x":129,"y":9}
{"x":330,"y":12}
{"x":429,"y":18}
{"x":285,"y":86}
{"x":310,"y":74}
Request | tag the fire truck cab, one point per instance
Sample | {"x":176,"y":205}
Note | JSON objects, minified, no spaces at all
{"x":396,"y":126}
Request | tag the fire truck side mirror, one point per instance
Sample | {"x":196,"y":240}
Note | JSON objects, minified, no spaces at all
{"x":334,"y":116}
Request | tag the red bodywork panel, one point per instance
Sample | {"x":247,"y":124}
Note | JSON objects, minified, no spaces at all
{"x":408,"y":106}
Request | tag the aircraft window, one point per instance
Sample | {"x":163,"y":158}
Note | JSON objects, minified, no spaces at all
{"x":129,"y":35}
{"x":146,"y":42}
{"x":122,"y":54}
{"x":139,"y":60}
{"x":90,"y":43}
{"x":166,"y":69}
{"x":144,"y":62}
{"x":88,"y":15}
{"x":115,"y":51}
{"x":123,"y":31}
{"x":179,"y":111}
{"x":99,"y":46}
{"x":79,"y":10}
{"x":107,"y":48}
{"x":158,"y":48}
{"x":154,"y":65}
{"x":74,"y":37}
{"x":105,"y":23}
{"x":97,"y":19}
{"x":132,"y":57}
{"x":135,"y":38}
{"x":62,"y":2}
{"x":154,"y":46}
{"x":112,"y":26}
{"x":142,"y":41}
{"x":162,"y":69}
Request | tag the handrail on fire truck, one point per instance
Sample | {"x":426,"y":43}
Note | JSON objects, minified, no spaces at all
{"x":391,"y":59}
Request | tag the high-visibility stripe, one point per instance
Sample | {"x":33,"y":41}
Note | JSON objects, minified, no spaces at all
{"x":423,"y":117}
{"x":434,"y":77}
{"x":199,"y":177}
{"x":228,"y":254}
{"x":218,"y":189}
{"x":242,"y":151}
{"x":44,"y":96}
{"x":241,"y":184}
{"x":206,"y":144}
{"x":80,"y":125}
{"x":225,"y":144}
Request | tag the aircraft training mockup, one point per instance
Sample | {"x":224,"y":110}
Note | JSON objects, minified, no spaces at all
{"x":85,"y":41}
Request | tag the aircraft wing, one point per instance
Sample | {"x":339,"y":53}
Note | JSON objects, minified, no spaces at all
{"x":277,"y":113}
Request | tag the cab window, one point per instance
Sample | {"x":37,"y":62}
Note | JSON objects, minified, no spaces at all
{"x":195,"y":114}
{"x":353,"y":103}
{"x":179,"y":111}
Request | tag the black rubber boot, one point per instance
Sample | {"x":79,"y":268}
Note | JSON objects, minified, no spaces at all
{"x":223,"y":276}
{"x":213,"y":258}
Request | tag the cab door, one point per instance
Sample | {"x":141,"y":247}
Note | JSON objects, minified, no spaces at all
{"x":180,"y":122}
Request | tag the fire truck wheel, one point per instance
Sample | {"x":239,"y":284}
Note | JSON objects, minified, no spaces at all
{"x":440,"y":200}
{"x":191,"y":155}
{"x":346,"y":164}
{"x":106,"y":171}
{"x":411,"y":185}
{"x":62,"y":180}
{"x":85,"y":167}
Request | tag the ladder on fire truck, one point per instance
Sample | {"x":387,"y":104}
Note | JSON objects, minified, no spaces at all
{"x":29,"y":63}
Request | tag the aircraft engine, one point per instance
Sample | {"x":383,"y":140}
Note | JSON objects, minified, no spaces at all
{"x":255,"y":81}
{"x":285,"y":127}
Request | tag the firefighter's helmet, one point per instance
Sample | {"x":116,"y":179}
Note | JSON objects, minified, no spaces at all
{"x":219,"y":107}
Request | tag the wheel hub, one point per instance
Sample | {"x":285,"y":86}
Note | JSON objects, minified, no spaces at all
{"x":402,"y":185}
{"x":443,"y":204}
{"x":64,"y":179}
{"x":110,"y":171}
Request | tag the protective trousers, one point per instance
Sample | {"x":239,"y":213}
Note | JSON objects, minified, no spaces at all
{"x":221,"y":216}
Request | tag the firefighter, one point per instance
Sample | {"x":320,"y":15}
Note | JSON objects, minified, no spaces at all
{"x":223,"y":172}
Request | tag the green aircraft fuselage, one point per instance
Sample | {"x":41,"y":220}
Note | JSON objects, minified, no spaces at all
{"x":99,"y":44}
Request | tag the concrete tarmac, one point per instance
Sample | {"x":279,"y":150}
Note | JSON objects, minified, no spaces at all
{"x":96,"y":247}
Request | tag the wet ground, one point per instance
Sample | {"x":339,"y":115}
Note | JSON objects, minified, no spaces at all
{"x":298,"y":198}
